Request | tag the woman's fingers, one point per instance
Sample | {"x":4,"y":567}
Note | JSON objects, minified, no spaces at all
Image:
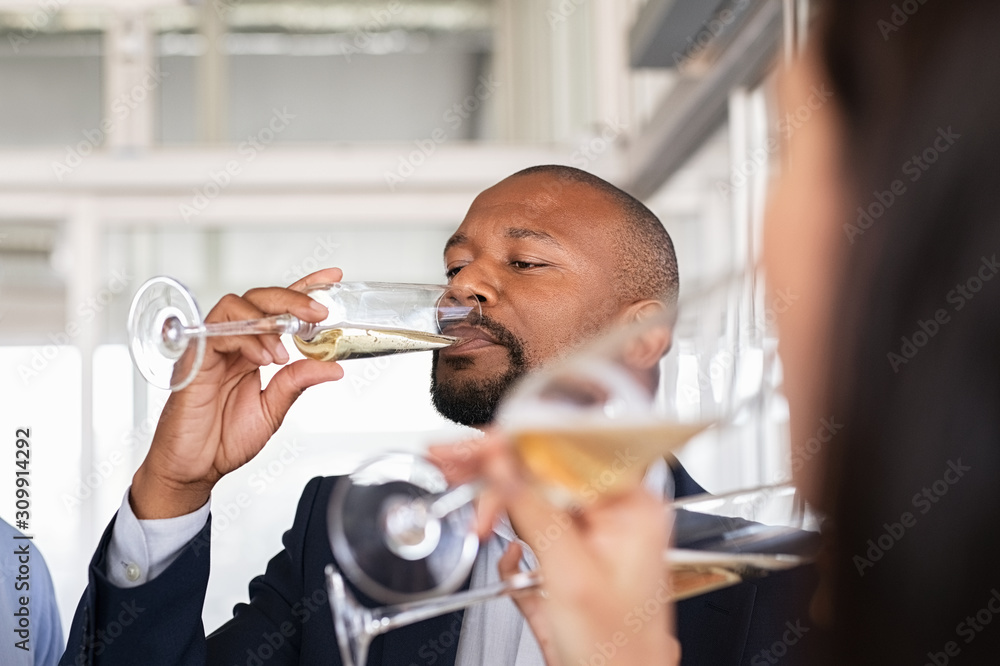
{"x":463,"y":461}
{"x":509,"y":566}
{"x":487,"y":511}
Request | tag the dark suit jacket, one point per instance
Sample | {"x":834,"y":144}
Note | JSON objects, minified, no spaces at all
{"x":288,"y":620}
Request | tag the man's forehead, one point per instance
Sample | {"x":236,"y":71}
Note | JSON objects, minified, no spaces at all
{"x":540,"y":209}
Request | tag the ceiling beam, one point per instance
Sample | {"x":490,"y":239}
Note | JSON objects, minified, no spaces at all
{"x":697,"y":106}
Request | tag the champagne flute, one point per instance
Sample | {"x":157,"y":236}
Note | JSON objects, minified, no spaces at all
{"x":167,"y":333}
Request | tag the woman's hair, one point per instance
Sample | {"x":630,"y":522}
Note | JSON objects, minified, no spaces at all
{"x":913,"y":480}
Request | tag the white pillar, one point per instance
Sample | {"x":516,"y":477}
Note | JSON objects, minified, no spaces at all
{"x":82,"y":285}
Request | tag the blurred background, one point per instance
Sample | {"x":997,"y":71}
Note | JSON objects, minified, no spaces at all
{"x":241,"y":143}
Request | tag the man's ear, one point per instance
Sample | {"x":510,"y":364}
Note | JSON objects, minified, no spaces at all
{"x":646,"y":350}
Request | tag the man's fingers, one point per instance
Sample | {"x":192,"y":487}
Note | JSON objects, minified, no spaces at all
{"x":289,"y":383}
{"x":276,"y":300}
{"x":273,"y":344}
{"x":260,"y":350}
{"x":319,"y":277}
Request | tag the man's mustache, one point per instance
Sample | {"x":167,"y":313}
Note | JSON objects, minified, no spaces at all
{"x":500,"y":332}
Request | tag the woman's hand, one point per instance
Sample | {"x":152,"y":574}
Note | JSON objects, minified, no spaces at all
{"x":605,"y":589}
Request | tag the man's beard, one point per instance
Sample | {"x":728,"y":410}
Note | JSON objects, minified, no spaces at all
{"x":474,"y":403}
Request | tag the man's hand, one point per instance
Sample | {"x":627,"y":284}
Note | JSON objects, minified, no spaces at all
{"x":223,"y":419}
{"x":604,"y":576}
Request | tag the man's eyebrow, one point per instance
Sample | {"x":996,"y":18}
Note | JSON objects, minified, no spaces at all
{"x":533,"y":234}
{"x":510,"y":232}
{"x":456,"y":239}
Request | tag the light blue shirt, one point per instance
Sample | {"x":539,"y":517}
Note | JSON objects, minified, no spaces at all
{"x":26,"y":598}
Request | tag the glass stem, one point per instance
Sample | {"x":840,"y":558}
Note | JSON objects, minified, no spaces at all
{"x":391,"y":617}
{"x":275,"y":325}
{"x":455,"y":498}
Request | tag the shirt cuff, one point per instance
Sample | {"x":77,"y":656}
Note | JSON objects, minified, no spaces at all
{"x":140,"y":550}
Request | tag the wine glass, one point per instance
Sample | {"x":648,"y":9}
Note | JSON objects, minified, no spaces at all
{"x":167,"y":332}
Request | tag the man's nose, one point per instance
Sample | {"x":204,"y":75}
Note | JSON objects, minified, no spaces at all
{"x":480,"y":282}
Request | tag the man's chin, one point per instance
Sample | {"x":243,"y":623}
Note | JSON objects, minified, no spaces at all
{"x":462,"y":391}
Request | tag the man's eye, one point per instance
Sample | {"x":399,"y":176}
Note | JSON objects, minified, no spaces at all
{"x":452,"y":272}
{"x":524,"y":265}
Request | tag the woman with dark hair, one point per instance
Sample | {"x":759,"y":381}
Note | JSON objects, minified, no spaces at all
{"x":905,"y":351}
{"x":886,"y":221}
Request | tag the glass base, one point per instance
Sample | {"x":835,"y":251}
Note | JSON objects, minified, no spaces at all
{"x":379,"y":565}
{"x":166,"y":358}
